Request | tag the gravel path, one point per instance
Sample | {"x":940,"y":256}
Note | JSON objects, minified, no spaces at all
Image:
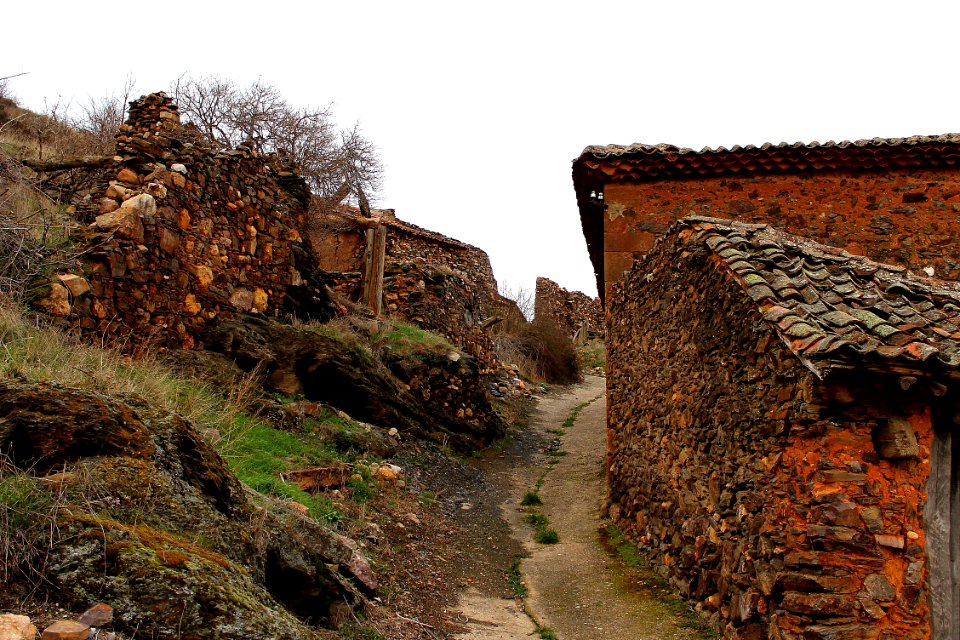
{"x":575,"y":588}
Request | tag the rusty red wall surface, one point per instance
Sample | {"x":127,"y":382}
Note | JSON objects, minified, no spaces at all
{"x":909,"y":218}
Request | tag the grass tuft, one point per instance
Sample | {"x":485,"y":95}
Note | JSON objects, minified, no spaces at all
{"x":531,"y":499}
{"x":546,"y":535}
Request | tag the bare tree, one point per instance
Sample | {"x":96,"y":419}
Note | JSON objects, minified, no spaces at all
{"x":337,"y":164}
{"x":4,"y":87}
{"x":101,"y":118}
{"x":523,"y":297}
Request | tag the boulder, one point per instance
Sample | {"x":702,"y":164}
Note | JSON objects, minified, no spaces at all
{"x":341,"y":372}
{"x":127,"y":221}
{"x":16,"y":627}
{"x":153,"y":522}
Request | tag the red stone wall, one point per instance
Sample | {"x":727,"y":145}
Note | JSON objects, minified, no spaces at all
{"x":854,"y":544}
{"x":185,"y":234}
{"x":753,"y":487}
{"x":910,"y":218}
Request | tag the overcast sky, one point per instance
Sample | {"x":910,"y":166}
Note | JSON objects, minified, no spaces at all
{"x":478,"y":109}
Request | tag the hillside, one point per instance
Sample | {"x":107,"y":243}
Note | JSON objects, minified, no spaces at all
{"x":202,"y":434}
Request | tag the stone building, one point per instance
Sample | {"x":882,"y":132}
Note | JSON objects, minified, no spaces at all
{"x":893,"y":200}
{"x":185,"y":234}
{"x":781,"y":419}
{"x":437,"y":282}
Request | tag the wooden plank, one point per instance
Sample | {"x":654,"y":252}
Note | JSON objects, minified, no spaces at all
{"x":955,"y":535}
{"x":374,"y":259}
{"x":937,"y":520}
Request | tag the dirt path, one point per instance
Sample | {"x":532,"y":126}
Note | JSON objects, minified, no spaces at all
{"x":575,"y":588}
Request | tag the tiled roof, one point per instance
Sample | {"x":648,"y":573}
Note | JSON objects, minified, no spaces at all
{"x":598,"y":166}
{"x":638,"y":162}
{"x":830,"y":305}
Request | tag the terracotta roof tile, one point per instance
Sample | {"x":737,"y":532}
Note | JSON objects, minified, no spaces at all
{"x":837,"y":305}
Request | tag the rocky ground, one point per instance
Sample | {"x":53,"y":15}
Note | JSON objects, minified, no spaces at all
{"x":453,"y":553}
{"x":460,"y":576}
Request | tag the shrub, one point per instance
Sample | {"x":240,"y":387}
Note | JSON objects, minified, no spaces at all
{"x":531,"y":498}
{"x":549,"y":354}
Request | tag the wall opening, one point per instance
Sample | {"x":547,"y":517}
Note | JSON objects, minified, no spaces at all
{"x":942,"y":524}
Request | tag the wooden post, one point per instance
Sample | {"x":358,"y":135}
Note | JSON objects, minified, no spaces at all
{"x":941,"y":528}
{"x":374,"y":257}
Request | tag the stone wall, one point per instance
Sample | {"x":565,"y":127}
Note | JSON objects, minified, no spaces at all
{"x":571,"y":311}
{"x":756,"y":489}
{"x":903,"y":217}
{"x":185,"y":234}
{"x":439,"y":283}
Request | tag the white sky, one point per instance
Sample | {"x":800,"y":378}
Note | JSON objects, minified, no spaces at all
{"x":478,"y":109}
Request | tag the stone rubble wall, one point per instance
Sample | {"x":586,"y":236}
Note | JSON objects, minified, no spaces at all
{"x":438,"y":283}
{"x":185,"y":233}
{"x":569,"y":310}
{"x":905,"y":217}
{"x":755,"y":489}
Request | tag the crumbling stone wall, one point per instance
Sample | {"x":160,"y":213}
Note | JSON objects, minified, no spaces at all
{"x":438,"y":283}
{"x":903,"y":217}
{"x":571,"y":311}
{"x":185,"y":234}
{"x":756,"y":489}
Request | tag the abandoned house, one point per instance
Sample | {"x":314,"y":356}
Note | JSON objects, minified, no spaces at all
{"x":780,"y":418}
{"x":404,"y":271}
{"x":576,"y":314}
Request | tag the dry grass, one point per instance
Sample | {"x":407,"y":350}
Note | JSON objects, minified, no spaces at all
{"x":35,"y":221}
{"x":541,"y":351}
{"x":32,"y":350}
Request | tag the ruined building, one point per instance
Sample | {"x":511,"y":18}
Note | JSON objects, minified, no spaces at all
{"x":184,"y":235}
{"x":781,"y":409}
{"x":576,"y":314}
{"x":421,"y":276}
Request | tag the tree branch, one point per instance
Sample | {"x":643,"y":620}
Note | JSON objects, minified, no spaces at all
{"x":85,"y":162}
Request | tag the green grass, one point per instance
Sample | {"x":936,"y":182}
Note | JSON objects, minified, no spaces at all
{"x":536,"y":519}
{"x":28,"y":350}
{"x":27,"y":521}
{"x":546,"y":535}
{"x":351,"y":631}
{"x":572,"y":418}
{"x":630,"y":556}
{"x":406,"y":340}
{"x":542,"y":531}
{"x":546,"y":633}
{"x":259,"y":453}
{"x":592,"y":355}
{"x":515,"y":579}
{"x":21,"y":498}
{"x":626,"y":550}
{"x":531,"y":499}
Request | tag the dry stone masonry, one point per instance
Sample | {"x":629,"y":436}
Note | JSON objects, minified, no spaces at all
{"x":184,"y":234}
{"x":576,"y":314}
{"x":436,"y":282}
{"x":780,"y":433}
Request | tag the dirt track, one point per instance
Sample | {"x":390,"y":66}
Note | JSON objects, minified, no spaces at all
{"x":575,"y":588}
